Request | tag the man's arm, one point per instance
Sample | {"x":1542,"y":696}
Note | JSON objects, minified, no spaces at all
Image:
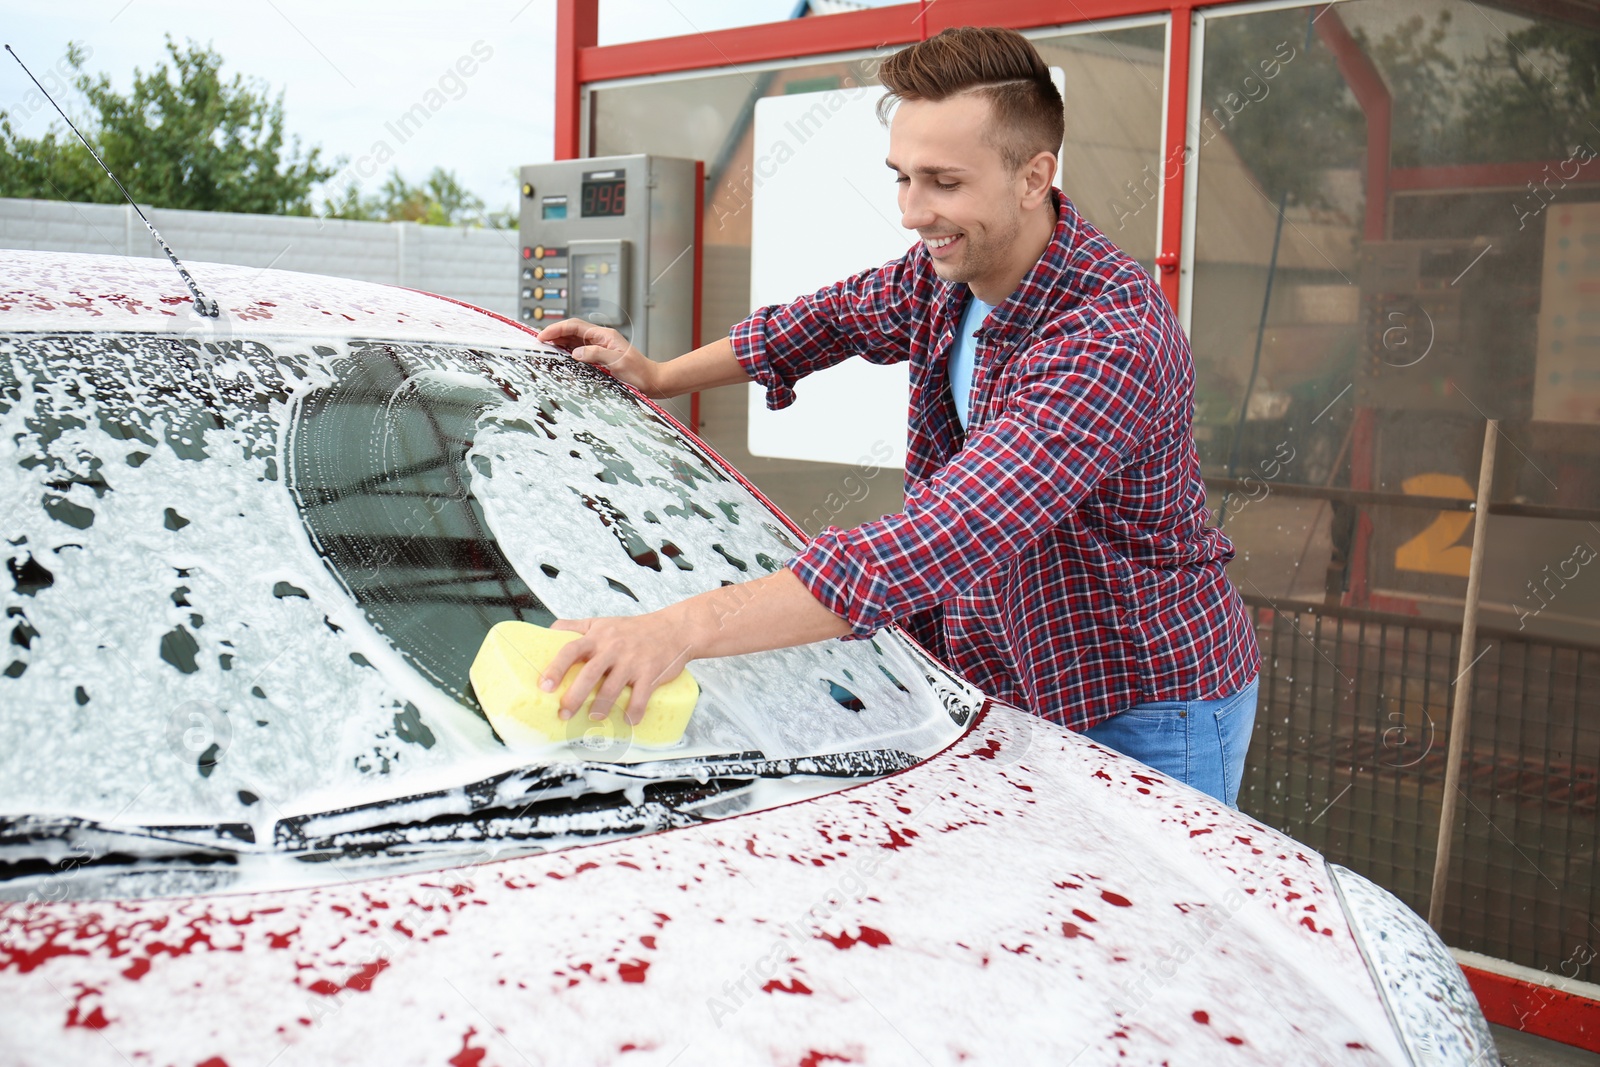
{"x":1085,"y":404}
{"x":704,"y":368}
{"x":644,"y":651}
{"x":870,"y":315}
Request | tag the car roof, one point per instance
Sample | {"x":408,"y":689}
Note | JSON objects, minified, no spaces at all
{"x":73,"y":291}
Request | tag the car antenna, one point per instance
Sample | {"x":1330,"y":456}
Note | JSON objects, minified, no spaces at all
{"x":202,"y":303}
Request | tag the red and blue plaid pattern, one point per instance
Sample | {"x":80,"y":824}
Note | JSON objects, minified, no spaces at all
{"x":1057,"y":554}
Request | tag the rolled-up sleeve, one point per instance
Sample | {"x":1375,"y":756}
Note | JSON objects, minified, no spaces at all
{"x":867,"y":315}
{"x":1083,"y":409}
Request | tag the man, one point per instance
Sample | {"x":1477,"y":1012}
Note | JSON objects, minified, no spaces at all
{"x":1053,"y":546}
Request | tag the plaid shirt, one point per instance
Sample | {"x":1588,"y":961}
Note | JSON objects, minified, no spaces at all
{"x":1057,"y":553}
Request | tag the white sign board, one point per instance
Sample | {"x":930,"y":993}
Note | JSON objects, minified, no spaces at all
{"x":823,"y":209}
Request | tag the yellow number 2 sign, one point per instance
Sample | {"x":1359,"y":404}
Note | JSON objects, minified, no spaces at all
{"x":1434,"y":550}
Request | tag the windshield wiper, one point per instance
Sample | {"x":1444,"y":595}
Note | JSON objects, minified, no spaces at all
{"x":55,"y":844}
{"x":662,"y":806}
{"x":534,"y":806}
{"x":564,"y":800}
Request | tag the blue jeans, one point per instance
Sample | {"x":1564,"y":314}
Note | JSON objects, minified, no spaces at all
{"x":1199,"y":742}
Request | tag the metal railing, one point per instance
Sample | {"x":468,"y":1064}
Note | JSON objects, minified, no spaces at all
{"x":1349,"y":756}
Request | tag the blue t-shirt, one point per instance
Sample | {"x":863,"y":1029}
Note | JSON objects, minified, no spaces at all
{"x":962,"y":358}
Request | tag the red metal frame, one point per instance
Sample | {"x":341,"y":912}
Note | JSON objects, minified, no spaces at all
{"x":577,"y":29}
{"x":699,"y":244}
{"x":1367,"y":83}
{"x":1170,"y":252}
{"x":1364,"y":79}
{"x":844,"y":32}
{"x":1547,"y":1012}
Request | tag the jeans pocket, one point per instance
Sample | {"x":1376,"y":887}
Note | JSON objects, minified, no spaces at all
{"x":1235,"y":720}
{"x":1156,"y":735}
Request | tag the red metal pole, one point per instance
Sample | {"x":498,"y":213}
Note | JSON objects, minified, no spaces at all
{"x":1367,"y":83}
{"x":577,"y":26}
{"x":699,"y":243}
{"x":868,"y":29}
{"x":1175,"y":155}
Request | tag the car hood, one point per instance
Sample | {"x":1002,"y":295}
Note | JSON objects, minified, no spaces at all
{"x":1024,"y":892}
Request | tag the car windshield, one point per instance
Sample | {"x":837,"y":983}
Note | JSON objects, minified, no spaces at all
{"x":247,"y":581}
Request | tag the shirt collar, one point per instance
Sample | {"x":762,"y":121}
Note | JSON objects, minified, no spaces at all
{"x":1029,"y":302}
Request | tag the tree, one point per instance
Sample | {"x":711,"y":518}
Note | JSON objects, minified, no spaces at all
{"x":1537,"y":94}
{"x":1305,"y":120}
{"x":1529,"y":94}
{"x":440,"y":200}
{"x":183,"y":138}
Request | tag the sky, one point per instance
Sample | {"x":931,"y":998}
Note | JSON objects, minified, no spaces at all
{"x":347,"y":69}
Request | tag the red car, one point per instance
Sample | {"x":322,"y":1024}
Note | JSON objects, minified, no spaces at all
{"x":251,"y":813}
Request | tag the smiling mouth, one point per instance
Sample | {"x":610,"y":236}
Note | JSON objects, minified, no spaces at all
{"x":939,"y":242}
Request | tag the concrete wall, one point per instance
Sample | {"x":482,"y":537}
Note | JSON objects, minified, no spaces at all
{"x":475,"y":265}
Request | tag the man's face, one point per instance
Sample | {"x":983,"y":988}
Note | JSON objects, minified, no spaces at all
{"x":955,"y":190}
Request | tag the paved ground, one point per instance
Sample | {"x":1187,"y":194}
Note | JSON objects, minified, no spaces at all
{"x":1524,"y":1050}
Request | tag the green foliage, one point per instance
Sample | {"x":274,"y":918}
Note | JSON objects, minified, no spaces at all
{"x":440,"y":200}
{"x":1535,"y":95}
{"x":1525,"y":95}
{"x":1306,"y":122}
{"x":183,"y":138}
{"x":1529,"y":95}
{"x":1423,"y":86}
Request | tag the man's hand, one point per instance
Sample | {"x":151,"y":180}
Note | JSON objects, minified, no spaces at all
{"x":642,"y":651}
{"x":646,"y":651}
{"x":705,"y":368}
{"x":602,"y":346}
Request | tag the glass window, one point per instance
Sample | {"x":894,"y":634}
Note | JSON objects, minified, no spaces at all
{"x":248,"y":583}
{"x":1396,"y":220}
{"x":1111,"y":158}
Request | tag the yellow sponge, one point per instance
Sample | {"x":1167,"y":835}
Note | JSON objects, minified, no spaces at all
{"x":506,"y":674}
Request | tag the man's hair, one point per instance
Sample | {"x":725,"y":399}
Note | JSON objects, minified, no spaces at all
{"x":997,"y":64}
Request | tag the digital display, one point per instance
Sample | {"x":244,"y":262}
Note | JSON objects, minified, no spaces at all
{"x":604,"y":197}
{"x":553,"y":207}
